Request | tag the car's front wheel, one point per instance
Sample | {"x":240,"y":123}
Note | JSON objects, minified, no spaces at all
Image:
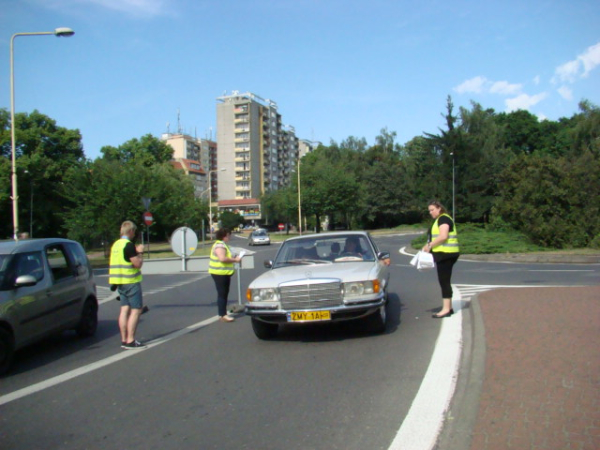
{"x":376,"y":321}
{"x":264,"y":330}
{"x":89,"y":319}
{"x":7,"y":349}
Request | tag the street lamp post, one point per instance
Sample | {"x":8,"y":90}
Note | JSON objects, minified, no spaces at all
{"x":210,"y":222}
{"x":299,"y":203}
{"x":57,"y":32}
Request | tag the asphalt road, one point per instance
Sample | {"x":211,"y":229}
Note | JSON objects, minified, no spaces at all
{"x":203,"y":384}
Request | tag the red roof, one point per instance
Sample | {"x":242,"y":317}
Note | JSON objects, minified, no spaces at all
{"x":188,"y":163}
{"x":239,"y":202}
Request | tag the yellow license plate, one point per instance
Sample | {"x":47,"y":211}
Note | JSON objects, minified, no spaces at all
{"x":308,"y":316}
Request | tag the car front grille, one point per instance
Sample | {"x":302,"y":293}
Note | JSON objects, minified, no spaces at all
{"x":309,"y":296}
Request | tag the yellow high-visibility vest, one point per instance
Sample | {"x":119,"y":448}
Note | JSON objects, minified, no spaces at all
{"x":121,"y":271}
{"x":451,"y":244}
{"x":217,"y":267}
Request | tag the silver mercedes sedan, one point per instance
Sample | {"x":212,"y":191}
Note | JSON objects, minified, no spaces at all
{"x":322,"y":277}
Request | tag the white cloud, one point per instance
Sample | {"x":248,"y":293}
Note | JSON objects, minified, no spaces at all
{"x":481,"y":85}
{"x":524,"y":101}
{"x":536,"y":80}
{"x":579,"y":67}
{"x":139,"y":8}
{"x":590,"y":59}
{"x":505,"y":88}
{"x":567,"y":72}
{"x":134,"y":7}
{"x":474,"y":85}
{"x":566,"y":92}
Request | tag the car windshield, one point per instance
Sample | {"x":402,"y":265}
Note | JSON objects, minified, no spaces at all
{"x":326,"y":250}
{"x":260,"y":233}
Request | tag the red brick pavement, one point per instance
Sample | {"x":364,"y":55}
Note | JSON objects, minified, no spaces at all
{"x":541,"y":389}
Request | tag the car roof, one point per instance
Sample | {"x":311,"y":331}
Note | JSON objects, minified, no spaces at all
{"x":8,"y":247}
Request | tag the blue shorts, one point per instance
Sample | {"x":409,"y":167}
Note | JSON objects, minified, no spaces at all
{"x":131,"y":295}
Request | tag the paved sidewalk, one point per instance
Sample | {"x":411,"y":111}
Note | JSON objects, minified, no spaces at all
{"x":534,"y":376}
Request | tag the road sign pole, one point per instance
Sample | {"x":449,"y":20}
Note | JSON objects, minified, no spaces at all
{"x":183,"y":247}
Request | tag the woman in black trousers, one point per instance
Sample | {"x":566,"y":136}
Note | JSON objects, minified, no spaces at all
{"x":442,"y":242}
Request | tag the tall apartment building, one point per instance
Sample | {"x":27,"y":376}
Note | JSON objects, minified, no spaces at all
{"x":256,"y":150}
{"x":196,"y":157}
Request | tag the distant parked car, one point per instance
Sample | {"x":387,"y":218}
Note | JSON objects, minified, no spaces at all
{"x":46,"y":286}
{"x":259,"y":237}
{"x":322,"y":277}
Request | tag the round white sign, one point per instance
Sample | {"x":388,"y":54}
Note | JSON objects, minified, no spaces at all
{"x":184,"y":241}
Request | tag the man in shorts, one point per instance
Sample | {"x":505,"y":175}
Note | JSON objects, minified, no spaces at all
{"x":124,"y":272}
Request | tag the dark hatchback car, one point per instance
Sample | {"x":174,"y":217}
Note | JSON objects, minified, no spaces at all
{"x":46,"y":286}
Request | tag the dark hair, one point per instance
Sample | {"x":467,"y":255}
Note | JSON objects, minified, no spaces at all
{"x":438,"y":205}
{"x":222,"y":232}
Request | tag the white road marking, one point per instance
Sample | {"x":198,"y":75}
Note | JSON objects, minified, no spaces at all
{"x":166,"y":287}
{"x":99,"y":364}
{"x":567,"y":270}
{"x":425,"y":419}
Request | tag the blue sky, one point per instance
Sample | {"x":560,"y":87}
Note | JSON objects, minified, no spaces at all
{"x":335,"y":68}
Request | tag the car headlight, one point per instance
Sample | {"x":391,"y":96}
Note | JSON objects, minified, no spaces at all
{"x":262,"y":295}
{"x":358,"y":288}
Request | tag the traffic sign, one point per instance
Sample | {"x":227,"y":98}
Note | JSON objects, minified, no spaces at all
{"x":184,"y":241}
{"x":148,"y":219}
{"x":281,"y":226}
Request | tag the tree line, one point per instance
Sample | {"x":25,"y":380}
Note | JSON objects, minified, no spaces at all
{"x":63,"y":194}
{"x":503,"y":170}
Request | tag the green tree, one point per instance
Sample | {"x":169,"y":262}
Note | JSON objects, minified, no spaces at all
{"x":106,"y":192}
{"x":555,"y":201}
{"x":230,"y":220}
{"x":449,"y":147}
{"x":521,"y":131}
{"x":483,"y":157}
{"x":327,"y":187}
{"x":281,"y":206}
{"x":45,"y":151}
{"x":421,"y":166}
{"x":146,"y":151}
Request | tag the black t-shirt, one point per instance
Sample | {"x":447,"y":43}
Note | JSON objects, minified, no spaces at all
{"x":129,"y":251}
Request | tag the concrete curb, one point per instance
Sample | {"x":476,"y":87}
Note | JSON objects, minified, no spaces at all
{"x":462,"y":414}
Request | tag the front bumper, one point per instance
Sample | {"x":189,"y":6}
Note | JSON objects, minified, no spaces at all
{"x":274,"y":313}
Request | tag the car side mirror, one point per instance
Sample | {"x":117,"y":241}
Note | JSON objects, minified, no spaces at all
{"x":383,"y":255}
{"x":25,"y":280}
{"x":268,"y":264}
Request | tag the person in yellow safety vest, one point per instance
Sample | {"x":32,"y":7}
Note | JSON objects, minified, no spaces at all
{"x":442,"y":242}
{"x":124,"y":271}
{"x":221,"y":269}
